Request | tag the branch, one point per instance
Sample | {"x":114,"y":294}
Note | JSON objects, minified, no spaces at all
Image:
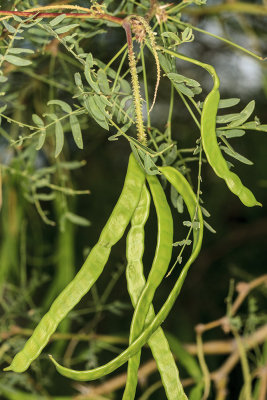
{"x":242,"y":343}
{"x":148,"y":368}
{"x":239,"y":7}
{"x":39,"y":14}
{"x":243,"y":289}
{"x":16,"y":330}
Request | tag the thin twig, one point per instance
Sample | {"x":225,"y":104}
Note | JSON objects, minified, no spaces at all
{"x":204,"y":367}
{"x":263,"y":383}
{"x":258,"y":337}
{"x":233,"y":7}
{"x":39,"y":14}
{"x":244,"y":288}
{"x":219,"y":376}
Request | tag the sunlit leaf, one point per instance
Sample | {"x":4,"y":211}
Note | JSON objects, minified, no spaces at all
{"x":20,"y":50}
{"x":20,"y":62}
{"x":225,"y":103}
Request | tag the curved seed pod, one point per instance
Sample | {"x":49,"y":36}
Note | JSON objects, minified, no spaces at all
{"x":209,"y":138}
{"x":90,"y":271}
{"x":136,"y":282}
{"x":185,"y":190}
{"x":214,"y":154}
{"x":158,"y":271}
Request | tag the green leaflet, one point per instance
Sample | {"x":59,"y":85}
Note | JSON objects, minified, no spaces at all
{"x":88,"y":74}
{"x":19,"y":51}
{"x":237,"y":119}
{"x":103,"y":81}
{"x":74,"y":122}
{"x":95,"y":112}
{"x":244,"y":115}
{"x":76,"y":131}
{"x":225,"y":103}
{"x":9,"y":27}
{"x":65,"y":29}
{"x":181,"y":84}
{"x":18,"y":61}
{"x":41,"y":141}
{"x":59,"y":138}
{"x":209,"y":227}
{"x":37,"y":120}
{"x":236,"y":155}
{"x":57,"y":20}
{"x":102,"y":102}
{"x":62,"y":104}
{"x":177,"y":78}
{"x":77,"y":219}
{"x":224,"y":119}
{"x":231,"y":133}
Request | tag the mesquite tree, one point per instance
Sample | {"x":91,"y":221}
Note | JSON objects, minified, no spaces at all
{"x":55,"y":93}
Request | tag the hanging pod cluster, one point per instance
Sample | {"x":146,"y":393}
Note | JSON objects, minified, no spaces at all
{"x":133,"y":207}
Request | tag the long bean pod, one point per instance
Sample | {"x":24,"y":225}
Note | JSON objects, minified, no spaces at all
{"x":158,"y":270}
{"x":185,"y":190}
{"x":209,"y":138}
{"x":136,"y":282}
{"x":213,"y":152}
{"x":90,"y":271}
